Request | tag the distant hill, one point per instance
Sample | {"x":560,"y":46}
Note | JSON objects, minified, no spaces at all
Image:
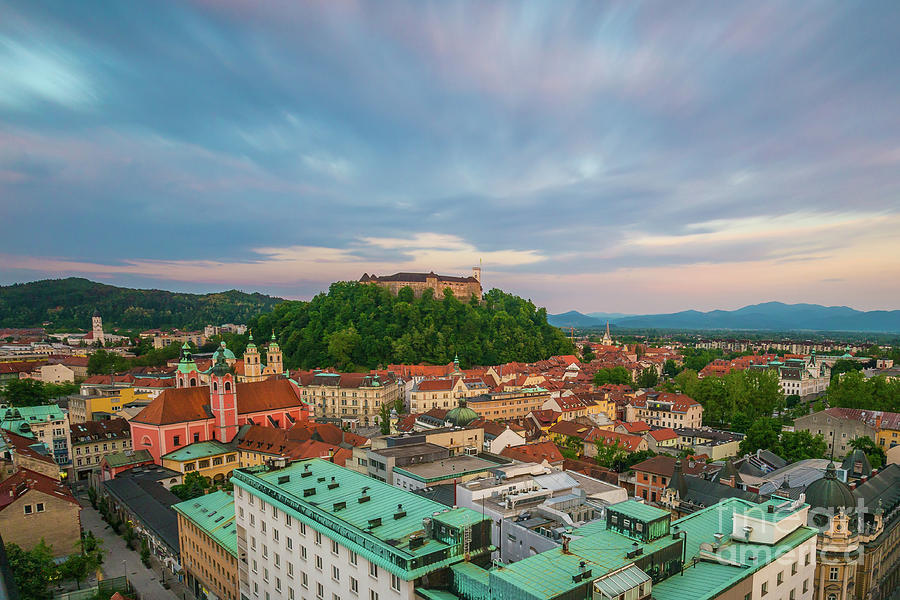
{"x":573,"y":318}
{"x":773,"y":316}
{"x":611,"y":317}
{"x":69,"y":303}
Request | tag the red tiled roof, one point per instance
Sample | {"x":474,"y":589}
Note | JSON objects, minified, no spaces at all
{"x":430,"y":385}
{"x":537,"y":452}
{"x":610,"y":438}
{"x":664,"y":434}
{"x":99,"y":430}
{"x":680,"y":402}
{"x":23,"y":445}
{"x":23,"y":480}
{"x":20,"y":367}
{"x":663,"y":464}
{"x":181,"y":405}
{"x":637,"y":427}
{"x":546,"y":416}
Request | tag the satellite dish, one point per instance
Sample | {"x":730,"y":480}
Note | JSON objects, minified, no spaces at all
{"x":706,"y":547}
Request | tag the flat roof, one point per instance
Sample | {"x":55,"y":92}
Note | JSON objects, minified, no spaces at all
{"x":408,"y":450}
{"x":214,"y":514}
{"x":446,"y":468}
{"x":328,"y":499}
{"x":199,"y":450}
{"x":639,"y":511}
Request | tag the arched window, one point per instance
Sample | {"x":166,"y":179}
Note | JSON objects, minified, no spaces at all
{"x":832,"y":596}
{"x":145,"y":441}
{"x":227,"y":386}
{"x":215,"y":386}
{"x":193,"y":381}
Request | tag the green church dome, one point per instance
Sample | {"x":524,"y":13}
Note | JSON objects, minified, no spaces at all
{"x":229,"y":355}
{"x":830,"y":492}
{"x":462,"y":415}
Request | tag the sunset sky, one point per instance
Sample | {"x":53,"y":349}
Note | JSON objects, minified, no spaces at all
{"x":596,"y":156}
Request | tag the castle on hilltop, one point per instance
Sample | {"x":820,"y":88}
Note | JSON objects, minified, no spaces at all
{"x":462,"y":287}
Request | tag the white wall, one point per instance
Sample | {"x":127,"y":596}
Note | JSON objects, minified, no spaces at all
{"x":265,"y":572}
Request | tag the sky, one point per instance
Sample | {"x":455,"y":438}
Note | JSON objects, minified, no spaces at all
{"x":597,"y":156}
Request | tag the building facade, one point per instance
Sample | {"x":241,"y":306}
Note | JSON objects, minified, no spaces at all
{"x":316,"y":530}
{"x":35,"y":507}
{"x":92,"y":441}
{"x":354,"y":398}
{"x":663,"y":409}
{"x":462,"y":287}
{"x":208,"y":543}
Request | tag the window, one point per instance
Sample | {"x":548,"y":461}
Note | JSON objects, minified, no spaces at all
{"x":28,"y":509}
{"x":303,"y":580}
{"x":287,"y":519}
{"x":40,"y":507}
{"x":354,"y":586}
{"x":833,"y":574}
{"x":266,"y":575}
{"x":303,"y":552}
{"x":252,"y":539}
{"x":335,"y":597}
{"x":254,"y":566}
{"x":395,"y":582}
{"x":806,"y":562}
{"x":262,"y":526}
{"x":373,"y":595}
{"x":319,"y":538}
{"x":278,"y":584}
{"x":196,"y":437}
{"x":765,"y":588}
{"x":290,"y":593}
{"x":290,"y":543}
{"x":335,"y":573}
{"x":320,"y":591}
{"x":373,"y":570}
{"x":175,"y":441}
{"x":779,"y":579}
{"x":794,"y":569}
{"x":275,"y":534}
{"x":805,"y":585}
{"x":302,"y":528}
{"x":792,"y":595}
{"x":290,"y":570}
{"x":277,"y":561}
{"x":319,"y":563}
{"x":335,"y":548}
{"x":265,"y":551}
{"x":352,"y":558}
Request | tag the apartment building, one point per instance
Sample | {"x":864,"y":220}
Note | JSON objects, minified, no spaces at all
{"x":509,"y":405}
{"x":94,"y":440}
{"x":207,"y":538}
{"x":315,"y":530}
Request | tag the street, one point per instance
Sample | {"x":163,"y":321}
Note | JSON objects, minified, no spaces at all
{"x":120,"y":560}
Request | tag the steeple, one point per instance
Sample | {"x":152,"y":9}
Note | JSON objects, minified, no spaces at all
{"x":252,"y":366}
{"x":186,"y":374}
{"x":274,"y":357}
{"x":678,"y":482}
{"x":223,"y":400}
{"x":456,"y":370}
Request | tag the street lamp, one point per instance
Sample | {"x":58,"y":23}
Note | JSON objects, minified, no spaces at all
{"x":124,"y":568}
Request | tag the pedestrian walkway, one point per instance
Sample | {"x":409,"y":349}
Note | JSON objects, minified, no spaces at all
{"x":120,"y":560}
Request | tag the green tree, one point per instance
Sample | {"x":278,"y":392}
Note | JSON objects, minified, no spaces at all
{"x":845,"y":366}
{"x":384,"y":419}
{"x":145,"y":552}
{"x":103,"y":362}
{"x":614,"y":375}
{"x":873,"y":451}
{"x":569,"y":446}
{"x":194,"y":486}
{"x":800,"y":445}
{"x":648,"y":378}
{"x":32,"y":570}
{"x":670,"y":368}
{"x":25,"y":392}
{"x":611,"y":456}
{"x":853,"y":390}
{"x":587,"y":353}
{"x":763,"y":433}
{"x":342,"y":347}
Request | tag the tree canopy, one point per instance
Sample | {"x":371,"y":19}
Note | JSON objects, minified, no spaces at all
{"x":362,"y":326}
{"x":765,"y":433}
{"x":616,"y":375}
{"x":33,"y":392}
{"x":70,"y":303}
{"x":853,"y":390}
{"x":736,"y":400}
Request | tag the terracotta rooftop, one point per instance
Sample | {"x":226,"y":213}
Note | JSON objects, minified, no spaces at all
{"x":537,"y":452}
{"x":24,"y":480}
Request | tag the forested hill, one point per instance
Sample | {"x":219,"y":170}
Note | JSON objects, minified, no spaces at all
{"x":363,"y":326}
{"x":69,"y":304}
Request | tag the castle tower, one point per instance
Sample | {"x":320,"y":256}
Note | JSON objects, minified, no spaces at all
{"x":223,"y":401}
{"x":274,"y":361}
{"x":476,"y":273}
{"x":187,"y":374}
{"x":97,"y":327}
{"x":252,"y":366}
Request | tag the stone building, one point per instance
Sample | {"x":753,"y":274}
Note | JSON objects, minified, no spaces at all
{"x":35,"y":507}
{"x":462,"y":287}
{"x":354,"y":398}
{"x":839,"y":426}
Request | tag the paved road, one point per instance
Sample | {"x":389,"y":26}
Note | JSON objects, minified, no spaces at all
{"x":119,"y":559}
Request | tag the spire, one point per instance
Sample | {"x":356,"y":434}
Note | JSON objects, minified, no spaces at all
{"x":250,"y":343}
{"x":678,"y":482}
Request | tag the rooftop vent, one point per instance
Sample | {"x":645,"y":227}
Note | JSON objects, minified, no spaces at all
{"x":374,"y":522}
{"x":340,"y":506}
{"x":283,"y":479}
{"x":309,"y":492}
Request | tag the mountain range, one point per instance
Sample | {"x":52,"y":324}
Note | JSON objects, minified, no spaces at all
{"x":768,"y":316}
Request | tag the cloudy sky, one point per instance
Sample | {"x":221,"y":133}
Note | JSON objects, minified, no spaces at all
{"x":595,"y":156}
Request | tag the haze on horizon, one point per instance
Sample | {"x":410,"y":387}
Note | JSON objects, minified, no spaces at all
{"x":635,"y":158}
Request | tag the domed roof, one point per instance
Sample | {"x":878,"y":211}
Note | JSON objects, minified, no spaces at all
{"x":830,"y":492}
{"x":462,"y":415}
{"x":229,"y":355}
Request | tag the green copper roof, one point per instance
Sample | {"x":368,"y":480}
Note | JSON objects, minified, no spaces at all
{"x":222,"y":350}
{"x":19,"y":419}
{"x":761,"y":511}
{"x":250,"y":343}
{"x":127,"y":457}
{"x":214,"y":515}
{"x":199,"y":450}
{"x":462,"y":415}
{"x":639,"y":511}
{"x":380,"y":527}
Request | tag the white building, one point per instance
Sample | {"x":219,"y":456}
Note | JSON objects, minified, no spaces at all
{"x":317,"y":531}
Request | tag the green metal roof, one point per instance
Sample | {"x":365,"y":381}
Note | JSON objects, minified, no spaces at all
{"x":214,"y":515}
{"x":701,"y":581}
{"x":379,"y":527}
{"x":127,"y":457}
{"x":199,"y":450}
{"x":639,"y":511}
{"x":549,"y":574}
